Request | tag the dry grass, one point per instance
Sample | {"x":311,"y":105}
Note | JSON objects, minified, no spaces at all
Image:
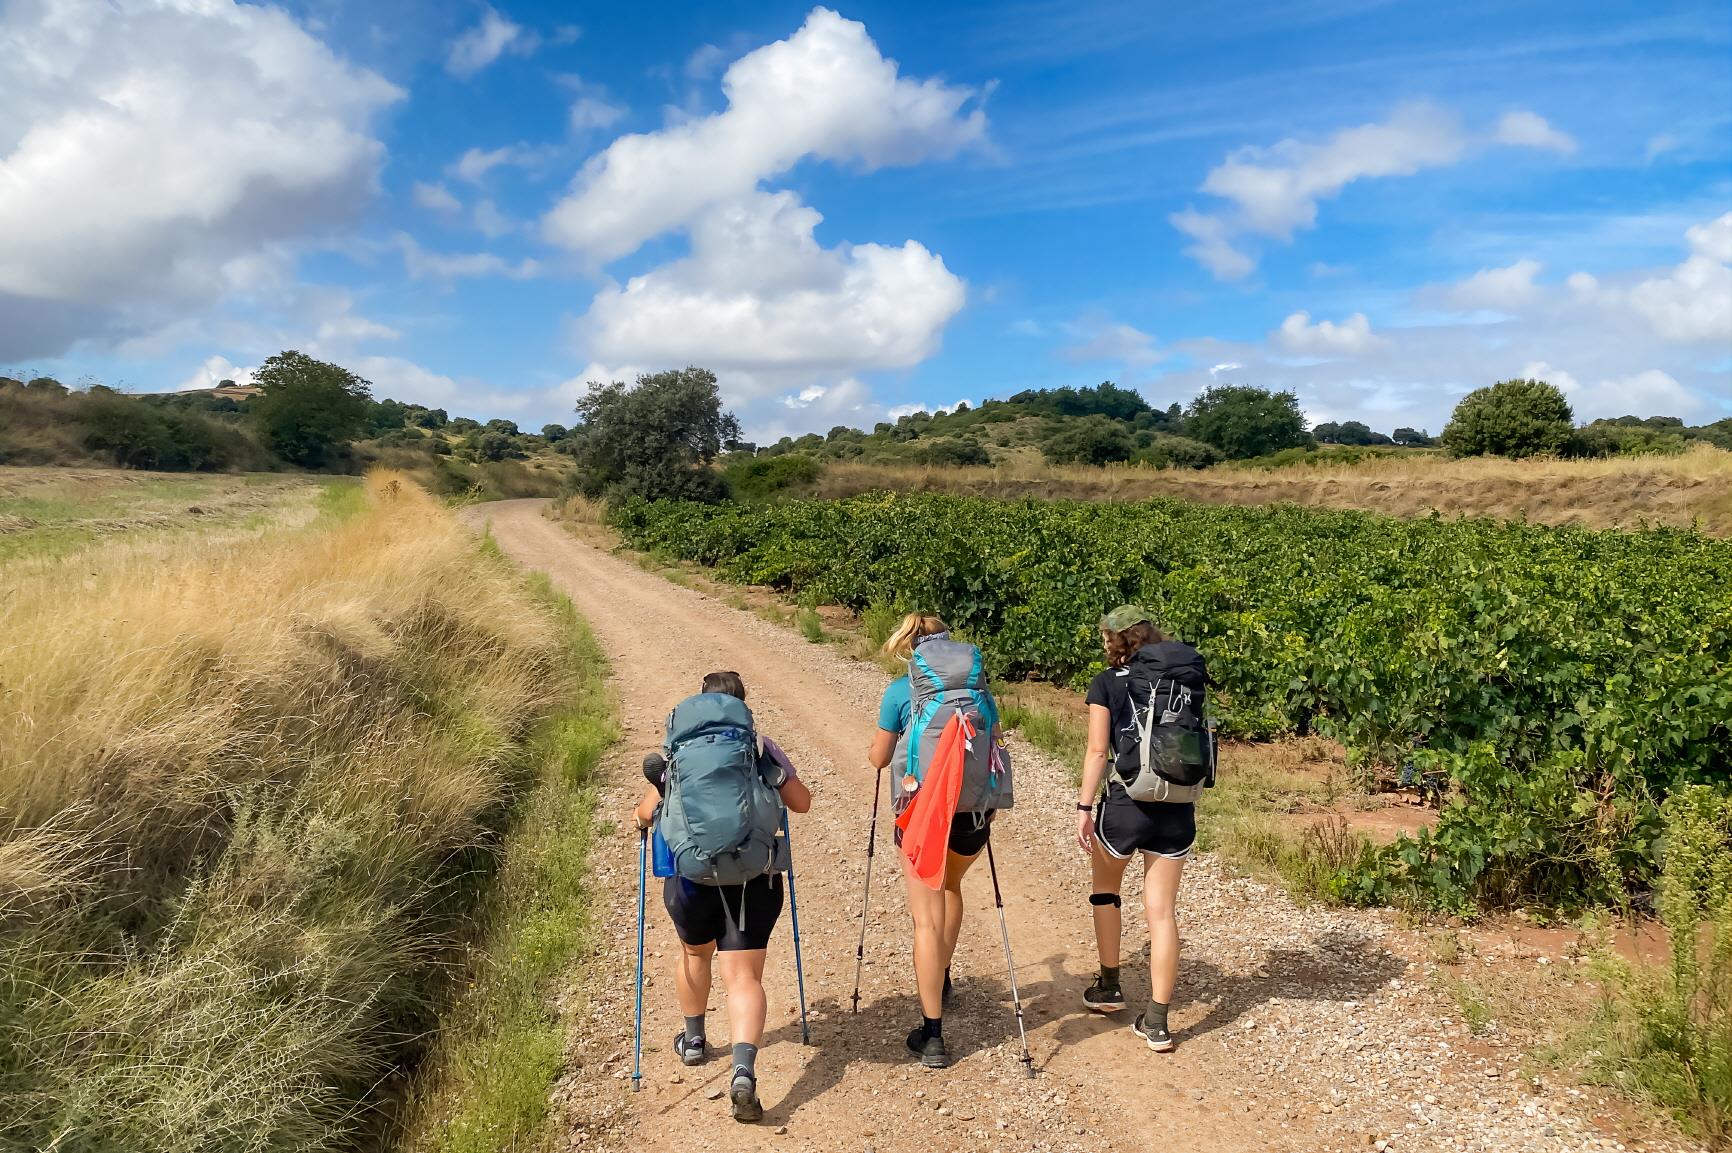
{"x":1696,"y":486}
{"x":245,"y":791}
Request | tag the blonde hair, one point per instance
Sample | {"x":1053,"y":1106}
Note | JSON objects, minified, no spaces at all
{"x":900,"y":644}
{"x":1122,"y":645}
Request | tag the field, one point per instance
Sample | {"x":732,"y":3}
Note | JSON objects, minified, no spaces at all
{"x":1695,"y":488}
{"x":1532,"y":667}
{"x":264,"y":746}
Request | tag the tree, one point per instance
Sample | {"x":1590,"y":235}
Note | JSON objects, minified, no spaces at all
{"x":654,"y":440}
{"x":1514,"y":418}
{"x":308,"y":409}
{"x":1329,"y":432}
{"x":1241,"y":421}
{"x":463,"y":424}
{"x":47,"y":384}
{"x":386,"y":415}
{"x":492,"y":444}
{"x":1413,"y":438}
{"x":554,"y":433}
{"x":506,"y":427}
{"x":1090,"y":440}
{"x":432,"y":418}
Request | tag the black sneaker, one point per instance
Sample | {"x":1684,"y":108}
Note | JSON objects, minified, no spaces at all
{"x":1103,"y":1000}
{"x":930,"y":1050}
{"x":1158,"y":1038}
{"x":690,"y":1050}
{"x":743,"y":1095}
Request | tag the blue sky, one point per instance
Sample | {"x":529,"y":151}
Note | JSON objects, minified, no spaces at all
{"x":848,"y":213}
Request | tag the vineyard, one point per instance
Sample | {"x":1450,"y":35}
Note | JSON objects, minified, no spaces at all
{"x":1563,"y":681}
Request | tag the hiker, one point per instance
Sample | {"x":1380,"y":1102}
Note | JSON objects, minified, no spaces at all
{"x":945,"y":680}
{"x":1146,"y":712}
{"x":723,"y":902}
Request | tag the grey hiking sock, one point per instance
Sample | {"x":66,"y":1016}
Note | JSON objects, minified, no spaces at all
{"x":1156,"y":1017}
{"x":1109,"y":978}
{"x":695,"y":1028}
{"x":746,"y":1057}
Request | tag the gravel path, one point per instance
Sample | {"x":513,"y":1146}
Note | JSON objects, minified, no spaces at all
{"x":1298,"y":1028}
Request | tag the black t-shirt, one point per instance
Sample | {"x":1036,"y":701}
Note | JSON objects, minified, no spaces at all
{"x":1112,"y":691}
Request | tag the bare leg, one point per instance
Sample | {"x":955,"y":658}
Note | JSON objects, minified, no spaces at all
{"x":1107,"y":876}
{"x":692,"y":977}
{"x":1160,"y":889}
{"x":954,"y":868}
{"x":743,"y":978}
{"x":927,"y":908}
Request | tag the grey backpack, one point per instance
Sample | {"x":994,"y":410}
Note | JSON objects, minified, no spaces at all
{"x":1175,"y":743}
{"x":718,"y":817}
{"x":945,"y":677}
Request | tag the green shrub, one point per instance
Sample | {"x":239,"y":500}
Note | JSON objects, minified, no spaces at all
{"x":762,"y":477}
{"x":1089,"y":440}
{"x":1514,"y":418}
{"x":1166,"y":451}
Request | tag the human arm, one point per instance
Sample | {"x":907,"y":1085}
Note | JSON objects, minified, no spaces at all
{"x":1093,"y":774}
{"x":645,"y":812}
{"x":883,"y":744}
{"x":795,"y":795}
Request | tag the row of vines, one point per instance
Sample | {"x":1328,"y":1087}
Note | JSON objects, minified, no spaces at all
{"x":1564,"y":681}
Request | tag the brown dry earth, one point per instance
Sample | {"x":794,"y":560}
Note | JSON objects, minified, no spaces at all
{"x":1298,"y":1028}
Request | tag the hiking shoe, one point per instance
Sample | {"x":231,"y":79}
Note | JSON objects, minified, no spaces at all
{"x":1159,"y":1039}
{"x":1103,"y":1000}
{"x":690,"y":1050}
{"x":930,"y":1050}
{"x":743,"y":1095}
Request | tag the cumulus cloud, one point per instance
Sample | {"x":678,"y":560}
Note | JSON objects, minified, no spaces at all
{"x":213,"y":372}
{"x":485,"y":43}
{"x":1275,"y":191}
{"x":1325,"y":338}
{"x":1647,"y":393}
{"x":476,"y":163}
{"x":423,"y":265}
{"x":437,"y":198}
{"x":825,"y":92}
{"x":1102,"y":339}
{"x":130,"y":194}
{"x":1503,"y":289}
{"x":759,"y":294}
{"x":1530,"y":130}
{"x":1694,"y":301}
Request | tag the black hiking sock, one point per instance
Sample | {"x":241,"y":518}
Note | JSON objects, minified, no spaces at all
{"x":746,"y":1058}
{"x":934,"y":1026}
{"x":1109,"y":979}
{"x":695,"y":1029}
{"x":1156,"y":1018}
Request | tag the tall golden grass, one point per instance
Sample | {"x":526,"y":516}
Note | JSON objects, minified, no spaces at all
{"x":245,"y":791}
{"x":1695,"y":487}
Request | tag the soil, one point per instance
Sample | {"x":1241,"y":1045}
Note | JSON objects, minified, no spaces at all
{"x":1299,"y":1028}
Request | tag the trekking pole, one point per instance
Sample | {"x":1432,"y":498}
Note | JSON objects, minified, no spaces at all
{"x":866,"y":901}
{"x":637,"y":1039}
{"x":794,"y":915}
{"x":1004,"y":931}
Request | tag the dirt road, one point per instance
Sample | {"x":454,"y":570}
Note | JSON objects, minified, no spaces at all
{"x":1298,"y":1028}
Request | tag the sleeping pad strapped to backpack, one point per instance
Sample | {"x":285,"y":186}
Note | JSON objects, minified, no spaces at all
{"x":718,"y":816}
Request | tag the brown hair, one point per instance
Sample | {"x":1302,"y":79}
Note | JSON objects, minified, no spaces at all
{"x":725,"y":682}
{"x":900,"y":644}
{"x":1121,"y":646}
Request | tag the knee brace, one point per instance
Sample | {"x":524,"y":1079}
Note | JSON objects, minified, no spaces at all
{"x":1104,"y":899}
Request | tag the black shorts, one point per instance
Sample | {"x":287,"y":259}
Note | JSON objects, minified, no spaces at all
{"x":968,"y":833}
{"x":732,"y":917}
{"x":1164,"y":828}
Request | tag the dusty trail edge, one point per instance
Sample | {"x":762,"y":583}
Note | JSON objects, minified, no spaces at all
{"x":1298,"y":1028}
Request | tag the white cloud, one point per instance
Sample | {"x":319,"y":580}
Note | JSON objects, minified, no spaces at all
{"x":405,"y":380}
{"x":1694,"y":301}
{"x":213,"y":372}
{"x":485,"y":43}
{"x":476,"y":163}
{"x":1713,"y":240}
{"x":1102,"y":339}
{"x":1275,"y":191}
{"x":592,"y":113}
{"x":806,"y":397}
{"x":154,"y":158}
{"x":705,"y":62}
{"x":1229,"y":366}
{"x":492,"y":223}
{"x":1530,"y":130}
{"x":758,"y":294}
{"x":1650,"y":392}
{"x":1503,"y":289}
{"x":437,"y":198}
{"x":1659,"y":145}
{"x":423,"y":265}
{"x":902,"y":410}
{"x":824,"y":92}
{"x":1325,"y":338}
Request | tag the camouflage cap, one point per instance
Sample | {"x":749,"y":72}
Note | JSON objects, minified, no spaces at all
{"x":1124,"y":617}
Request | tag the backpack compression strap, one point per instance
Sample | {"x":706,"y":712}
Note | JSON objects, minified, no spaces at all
{"x":917,"y":729}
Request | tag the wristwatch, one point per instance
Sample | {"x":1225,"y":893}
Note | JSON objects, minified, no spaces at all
{"x":1082,"y":808}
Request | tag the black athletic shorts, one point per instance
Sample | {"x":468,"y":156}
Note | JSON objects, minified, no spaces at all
{"x":1125,"y":826}
{"x":968,"y":833}
{"x":733,"y":917}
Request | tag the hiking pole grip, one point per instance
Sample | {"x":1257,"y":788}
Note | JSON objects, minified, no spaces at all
{"x":794,"y":916}
{"x":637,"y":1028}
{"x":1009,"y":961}
{"x":866,"y":900}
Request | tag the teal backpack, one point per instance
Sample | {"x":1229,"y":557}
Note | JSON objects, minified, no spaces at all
{"x":718,"y":817}
{"x":946,"y":677}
